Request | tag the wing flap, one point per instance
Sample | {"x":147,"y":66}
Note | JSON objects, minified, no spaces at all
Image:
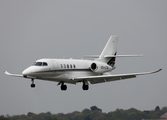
{"x":120,"y":78}
{"x":128,"y":77}
{"x":96,"y":81}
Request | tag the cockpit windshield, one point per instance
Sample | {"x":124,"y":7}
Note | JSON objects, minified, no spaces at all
{"x":40,"y":64}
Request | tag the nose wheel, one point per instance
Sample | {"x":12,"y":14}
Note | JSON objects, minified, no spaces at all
{"x":32,"y":85}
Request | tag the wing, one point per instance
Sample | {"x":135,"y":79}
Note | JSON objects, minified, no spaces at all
{"x":108,"y":78}
{"x":15,"y":75}
{"x":18,"y":75}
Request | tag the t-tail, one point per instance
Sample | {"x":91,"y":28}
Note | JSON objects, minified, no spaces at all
{"x":109,"y":52}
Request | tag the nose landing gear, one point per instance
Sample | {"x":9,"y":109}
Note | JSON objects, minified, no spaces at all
{"x":32,"y":85}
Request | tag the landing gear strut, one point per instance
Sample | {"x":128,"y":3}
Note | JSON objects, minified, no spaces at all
{"x":63,"y":87}
{"x":32,"y":85}
{"x":85,"y":85}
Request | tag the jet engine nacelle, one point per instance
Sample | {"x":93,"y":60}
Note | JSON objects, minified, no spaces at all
{"x":99,"y":67}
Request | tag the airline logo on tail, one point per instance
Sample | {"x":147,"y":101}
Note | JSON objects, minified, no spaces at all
{"x":112,"y":60}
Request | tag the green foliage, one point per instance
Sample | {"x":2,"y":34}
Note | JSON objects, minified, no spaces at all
{"x":93,"y":108}
{"x":164,"y":110}
{"x":94,"y":113}
{"x":157,"y":108}
{"x":19,"y":117}
{"x":3,"y":118}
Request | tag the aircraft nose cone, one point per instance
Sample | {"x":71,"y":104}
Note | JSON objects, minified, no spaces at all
{"x":26,"y":72}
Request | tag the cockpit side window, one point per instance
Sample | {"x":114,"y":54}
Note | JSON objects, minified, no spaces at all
{"x":33,"y":63}
{"x":40,"y":64}
{"x":45,"y":64}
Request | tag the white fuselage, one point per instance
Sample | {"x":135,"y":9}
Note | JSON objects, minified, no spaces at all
{"x":65,"y":69}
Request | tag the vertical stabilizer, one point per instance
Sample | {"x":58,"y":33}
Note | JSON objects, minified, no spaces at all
{"x":109,"y":49}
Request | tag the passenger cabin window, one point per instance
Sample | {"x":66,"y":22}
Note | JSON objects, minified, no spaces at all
{"x":67,"y":66}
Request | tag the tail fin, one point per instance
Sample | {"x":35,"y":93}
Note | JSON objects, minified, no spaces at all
{"x":109,"y":49}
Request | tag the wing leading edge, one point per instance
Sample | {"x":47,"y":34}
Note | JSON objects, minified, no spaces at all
{"x":108,"y":78}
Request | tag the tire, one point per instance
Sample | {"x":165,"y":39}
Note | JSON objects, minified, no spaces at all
{"x":64,"y":87}
{"x":32,"y":85}
{"x":85,"y":87}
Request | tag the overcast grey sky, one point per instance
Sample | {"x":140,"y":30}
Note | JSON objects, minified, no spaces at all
{"x":34,"y":29}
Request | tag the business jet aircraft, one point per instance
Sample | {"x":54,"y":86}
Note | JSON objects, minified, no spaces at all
{"x":73,"y":70}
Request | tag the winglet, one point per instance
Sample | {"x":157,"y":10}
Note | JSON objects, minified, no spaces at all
{"x":144,"y":73}
{"x":6,"y":72}
{"x":158,"y":70}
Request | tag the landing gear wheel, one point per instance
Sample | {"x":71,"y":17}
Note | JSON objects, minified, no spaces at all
{"x":33,"y":85}
{"x":64,"y":87}
{"x":85,"y":87}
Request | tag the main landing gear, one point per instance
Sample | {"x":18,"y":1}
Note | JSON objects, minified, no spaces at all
{"x":63,"y":87}
{"x":32,"y":85}
{"x":85,"y":85}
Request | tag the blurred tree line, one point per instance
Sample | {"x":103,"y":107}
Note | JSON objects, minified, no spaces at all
{"x":94,"y":113}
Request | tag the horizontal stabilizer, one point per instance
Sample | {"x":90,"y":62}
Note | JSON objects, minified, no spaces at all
{"x":108,"y":56}
{"x":91,"y":56}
